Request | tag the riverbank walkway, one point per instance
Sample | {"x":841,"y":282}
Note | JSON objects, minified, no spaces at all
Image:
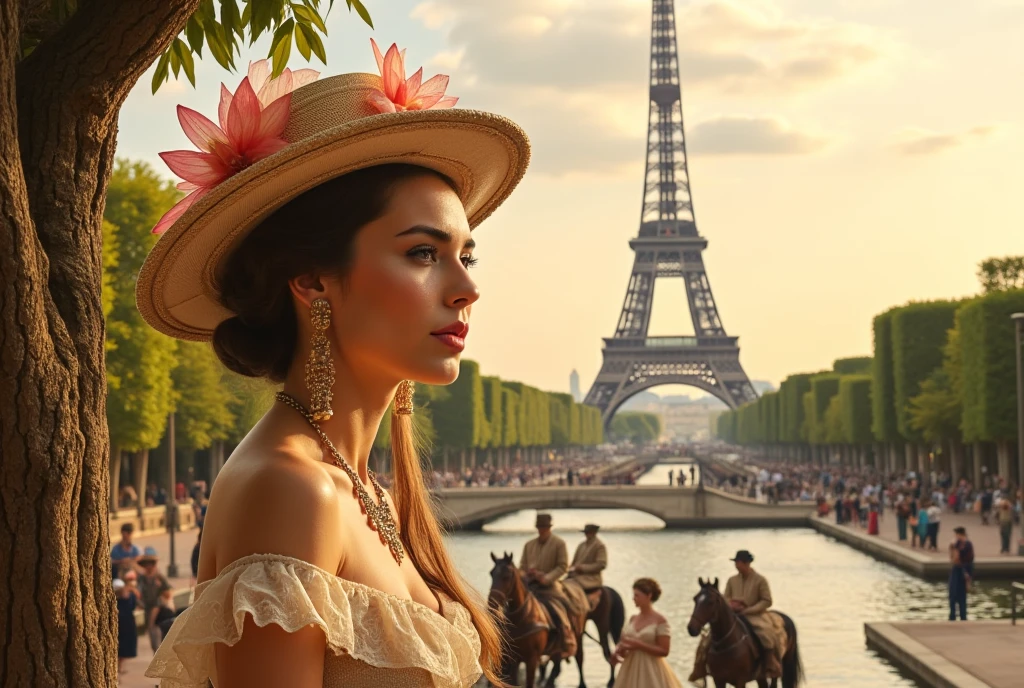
{"x":886,"y":546}
{"x":962,"y":654}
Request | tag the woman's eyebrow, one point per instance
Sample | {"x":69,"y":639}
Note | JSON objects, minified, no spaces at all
{"x":441,"y":235}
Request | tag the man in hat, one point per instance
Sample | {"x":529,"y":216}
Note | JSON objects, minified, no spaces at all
{"x":151,"y":585}
{"x":590,"y":559}
{"x":748,"y":593}
{"x":545,"y":561}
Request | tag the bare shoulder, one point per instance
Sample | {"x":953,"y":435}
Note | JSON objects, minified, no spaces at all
{"x":272,"y":501}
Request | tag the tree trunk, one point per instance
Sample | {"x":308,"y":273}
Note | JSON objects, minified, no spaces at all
{"x":1003,"y":458}
{"x":977,"y":458}
{"x":140,"y":472}
{"x":956,"y":461}
{"x":910,"y":457}
{"x":58,"y":122}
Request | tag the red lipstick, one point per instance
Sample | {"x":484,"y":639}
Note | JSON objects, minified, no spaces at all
{"x":453,"y":335}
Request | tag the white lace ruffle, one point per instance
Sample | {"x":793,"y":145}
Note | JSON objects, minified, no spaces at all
{"x":367,"y":624}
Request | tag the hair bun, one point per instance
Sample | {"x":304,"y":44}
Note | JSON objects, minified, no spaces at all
{"x":254,"y":351}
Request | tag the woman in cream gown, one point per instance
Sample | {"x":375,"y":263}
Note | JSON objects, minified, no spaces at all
{"x":325,"y":247}
{"x":645,"y":644}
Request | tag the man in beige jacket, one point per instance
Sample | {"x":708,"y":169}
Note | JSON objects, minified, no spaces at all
{"x":748,"y":593}
{"x":590,"y":560}
{"x":545,"y":561}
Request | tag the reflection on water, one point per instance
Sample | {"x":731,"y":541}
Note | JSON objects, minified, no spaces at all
{"x":829,"y":589}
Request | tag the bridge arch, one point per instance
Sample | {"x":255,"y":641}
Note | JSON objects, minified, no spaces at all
{"x":483,"y":516}
{"x":633,"y":388}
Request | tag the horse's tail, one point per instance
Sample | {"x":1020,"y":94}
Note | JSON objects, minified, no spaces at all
{"x":616,"y":615}
{"x":792,"y":667}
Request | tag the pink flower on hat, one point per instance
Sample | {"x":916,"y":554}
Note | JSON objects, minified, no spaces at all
{"x":252,"y":120}
{"x":407,"y":94}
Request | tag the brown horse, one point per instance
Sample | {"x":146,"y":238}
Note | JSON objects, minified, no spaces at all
{"x":734,"y":657}
{"x":526,"y":624}
{"x":609,"y":616}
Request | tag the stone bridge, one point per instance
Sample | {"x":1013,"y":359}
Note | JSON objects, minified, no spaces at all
{"x":679,"y":507}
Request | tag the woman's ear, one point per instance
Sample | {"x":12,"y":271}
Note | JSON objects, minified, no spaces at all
{"x":307,"y":288}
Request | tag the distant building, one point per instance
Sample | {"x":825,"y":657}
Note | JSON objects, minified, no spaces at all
{"x":574,"y":386}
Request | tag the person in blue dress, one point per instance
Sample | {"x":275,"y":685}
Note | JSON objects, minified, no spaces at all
{"x":127,"y":632}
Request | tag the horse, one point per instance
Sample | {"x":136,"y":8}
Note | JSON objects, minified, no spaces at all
{"x":526,"y":624}
{"x":609,"y":615}
{"x":734,"y":656}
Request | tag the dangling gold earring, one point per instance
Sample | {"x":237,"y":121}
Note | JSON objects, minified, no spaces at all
{"x":403,"y":397}
{"x":320,"y":366}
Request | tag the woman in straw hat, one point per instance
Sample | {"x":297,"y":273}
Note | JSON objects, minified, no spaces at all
{"x":325,"y":245}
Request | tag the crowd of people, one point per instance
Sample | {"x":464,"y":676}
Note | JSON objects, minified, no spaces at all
{"x":567,"y":472}
{"x":918,"y":501}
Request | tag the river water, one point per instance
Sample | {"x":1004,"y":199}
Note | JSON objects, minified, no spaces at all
{"x":829,"y":589}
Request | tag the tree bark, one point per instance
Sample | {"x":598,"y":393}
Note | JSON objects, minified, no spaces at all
{"x":58,"y":122}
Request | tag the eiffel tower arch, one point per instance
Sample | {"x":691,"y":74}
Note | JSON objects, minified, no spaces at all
{"x":668,"y":245}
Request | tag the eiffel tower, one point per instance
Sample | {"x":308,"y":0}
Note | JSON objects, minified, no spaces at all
{"x":668,"y":245}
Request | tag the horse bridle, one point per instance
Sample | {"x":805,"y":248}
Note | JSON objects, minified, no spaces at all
{"x":511,"y":614}
{"x":715,"y":644}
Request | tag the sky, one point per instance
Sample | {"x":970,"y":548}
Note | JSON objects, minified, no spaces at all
{"x":845,"y":156}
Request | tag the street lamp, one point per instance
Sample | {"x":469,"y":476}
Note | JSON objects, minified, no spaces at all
{"x":172,"y":501}
{"x":1018,"y":321}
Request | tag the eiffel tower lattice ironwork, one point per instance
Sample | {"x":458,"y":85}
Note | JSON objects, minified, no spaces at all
{"x":668,"y":245}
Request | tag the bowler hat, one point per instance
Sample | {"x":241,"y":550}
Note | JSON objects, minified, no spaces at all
{"x":743,"y":555}
{"x":590,"y":528}
{"x":543,"y":521}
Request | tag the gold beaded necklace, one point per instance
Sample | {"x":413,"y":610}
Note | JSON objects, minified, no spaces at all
{"x":378,"y":516}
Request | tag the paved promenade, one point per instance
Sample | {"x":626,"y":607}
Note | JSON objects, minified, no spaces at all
{"x":929,"y":564}
{"x":969,"y":654}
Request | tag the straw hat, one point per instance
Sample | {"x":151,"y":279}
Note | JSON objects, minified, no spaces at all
{"x":333,"y":128}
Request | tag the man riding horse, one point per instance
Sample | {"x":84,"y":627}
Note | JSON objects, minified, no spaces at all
{"x":545,"y":561}
{"x":590,"y":559}
{"x":748,"y":594}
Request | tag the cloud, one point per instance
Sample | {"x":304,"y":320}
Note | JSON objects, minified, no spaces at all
{"x":725,"y":45}
{"x":922,"y":142}
{"x":574,"y":73}
{"x":751,"y":136}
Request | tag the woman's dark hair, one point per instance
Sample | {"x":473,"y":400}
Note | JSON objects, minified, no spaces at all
{"x":648,"y":586}
{"x":313,"y":232}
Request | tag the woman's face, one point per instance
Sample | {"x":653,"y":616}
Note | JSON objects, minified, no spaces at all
{"x":403,"y":307}
{"x":640,"y":598}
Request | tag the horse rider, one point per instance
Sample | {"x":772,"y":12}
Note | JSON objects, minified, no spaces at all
{"x":748,"y":594}
{"x":545,"y":561}
{"x":590,"y":559}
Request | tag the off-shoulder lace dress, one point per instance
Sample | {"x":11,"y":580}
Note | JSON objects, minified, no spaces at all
{"x":373,"y":638}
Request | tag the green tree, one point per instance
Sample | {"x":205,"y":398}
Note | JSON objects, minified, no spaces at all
{"x":986,"y":336}
{"x":560,"y":409}
{"x":791,"y":407}
{"x":855,"y":402}
{"x":139,"y":360}
{"x":859,"y":365}
{"x":459,"y":415}
{"x":883,"y":405}
{"x":919,"y":332}
{"x":203,"y":412}
{"x":66,"y":67}
{"x":638,"y":427}
{"x":823,"y":389}
{"x":1001,"y":274}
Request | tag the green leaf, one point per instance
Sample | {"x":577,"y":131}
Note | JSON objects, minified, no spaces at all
{"x":160,"y":73}
{"x":231,"y":19}
{"x":218,"y":46}
{"x":246,"y":15}
{"x":361,"y":10}
{"x":175,"y":60}
{"x":281,"y":46}
{"x":318,"y":46}
{"x":301,"y":40}
{"x":207,"y":13}
{"x":309,"y":16}
{"x":187,"y":62}
{"x":194,"y":34}
{"x":265,"y":14}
